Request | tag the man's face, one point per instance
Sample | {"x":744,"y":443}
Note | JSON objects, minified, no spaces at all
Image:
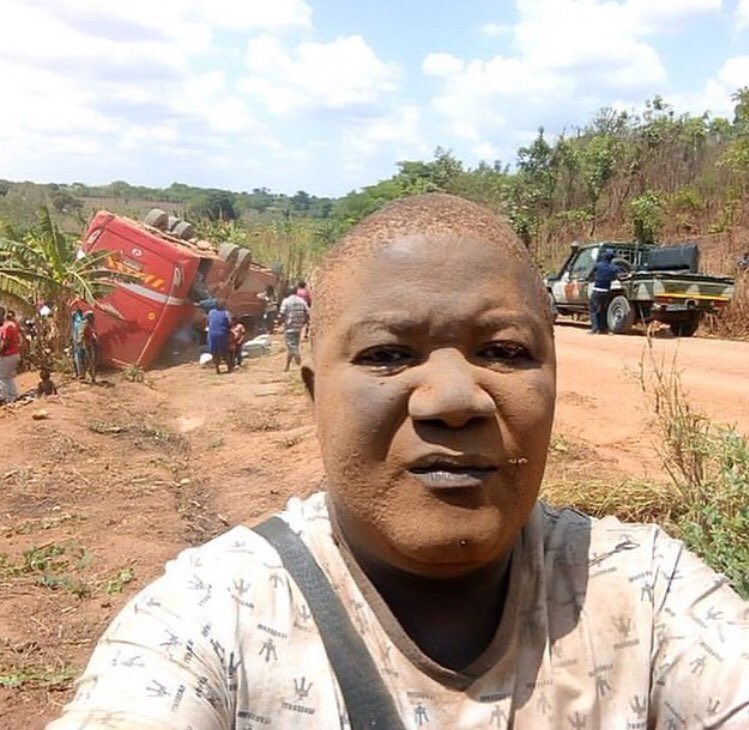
{"x":434,"y":386}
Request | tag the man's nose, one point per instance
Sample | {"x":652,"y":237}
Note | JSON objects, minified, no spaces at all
{"x":448,"y":391}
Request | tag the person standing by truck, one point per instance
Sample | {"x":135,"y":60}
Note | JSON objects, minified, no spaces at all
{"x":10,"y":354}
{"x":603,"y":274}
{"x":87,"y":347}
{"x":219,"y":324}
{"x":295,"y":316}
{"x":236,"y":340}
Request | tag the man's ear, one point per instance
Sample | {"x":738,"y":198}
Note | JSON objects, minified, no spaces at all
{"x":308,"y":377}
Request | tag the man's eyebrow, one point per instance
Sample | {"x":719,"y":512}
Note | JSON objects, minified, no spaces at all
{"x":394,"y":324}
{"x":407,"y":322}
{"x":494,"y":319}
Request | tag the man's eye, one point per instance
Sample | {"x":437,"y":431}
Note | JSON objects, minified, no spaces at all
{"x":504,"y":352}
{"x":386,"y":356}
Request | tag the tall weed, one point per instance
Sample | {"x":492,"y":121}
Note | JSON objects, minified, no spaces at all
{"x":708,"y":465}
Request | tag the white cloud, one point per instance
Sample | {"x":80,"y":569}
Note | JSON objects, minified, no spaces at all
{"x":464,"y":130}
{"x":715,"y":96}
{"x":495,"y":30}
{"x":79,"y":79}
{"x":486,"y":151}
{"x":582,"y":34}
{"x":343,"y":73}
{"x":742,"y":14}
{"x":568,"y":58}
{"x":441,"y":64}
{"x":160,"y":17}
{"x":398,"y":132}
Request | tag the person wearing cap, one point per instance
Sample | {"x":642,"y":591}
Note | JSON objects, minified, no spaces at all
{"x":603,"y":274}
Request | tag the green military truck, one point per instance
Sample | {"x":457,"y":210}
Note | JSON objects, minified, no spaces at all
{"x":658,"y":283}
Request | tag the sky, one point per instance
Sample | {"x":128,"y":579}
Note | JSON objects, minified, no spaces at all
{"x":328,"y":95}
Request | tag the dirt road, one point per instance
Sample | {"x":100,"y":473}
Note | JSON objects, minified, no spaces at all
{"x":600,"y":397}
{"x":114,"y":481}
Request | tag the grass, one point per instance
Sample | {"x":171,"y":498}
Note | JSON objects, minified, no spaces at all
{"x":41,"y":524}
{"x":733,"y":321}
{"x":133,"y":374}
{"x":257,"y":420}
{"x":708,"y":465}
{"x":631,"y":500}
{"x":705,"y":499}
{"x":58,"y":566}
{"x":116,"y":584}
{"x":38,"y":677}
{"x":294,"y":385}
{"x":157,"y":435}
{"x":54,"y":566}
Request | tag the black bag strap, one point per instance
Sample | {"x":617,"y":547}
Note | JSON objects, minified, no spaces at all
{"x":367,"y":700}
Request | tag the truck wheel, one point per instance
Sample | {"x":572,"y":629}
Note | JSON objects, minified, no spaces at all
{"x":244,"y":262}
{"x":227,"y":248}
{"x":685,"y":329}
{"x":184,"y":230}
{"x":157,"y":218}
{"x":553,"y":308}
{"x":619,"y":315}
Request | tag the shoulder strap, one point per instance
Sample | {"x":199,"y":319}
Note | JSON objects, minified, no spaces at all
{"x":367,"y":700}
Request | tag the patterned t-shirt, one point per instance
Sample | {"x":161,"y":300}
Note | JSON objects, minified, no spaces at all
{"x":295,"y":313}
{"x":607,"y":625}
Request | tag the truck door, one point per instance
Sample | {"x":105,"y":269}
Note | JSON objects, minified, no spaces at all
{"x":572,"y":287}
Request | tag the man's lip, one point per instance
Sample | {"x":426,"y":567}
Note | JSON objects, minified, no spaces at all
{"x":453,"y":462}
{"x":459,"y":477}
{"x":452,"y":471}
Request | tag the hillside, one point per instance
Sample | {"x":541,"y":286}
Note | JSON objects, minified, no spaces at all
{"x":654,"y":176}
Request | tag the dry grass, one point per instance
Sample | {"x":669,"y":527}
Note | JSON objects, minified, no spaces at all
{"x":720,"y":259}
{"x":733,"y":322}
{"x":631,"y":500}
{"x":257,"y":420}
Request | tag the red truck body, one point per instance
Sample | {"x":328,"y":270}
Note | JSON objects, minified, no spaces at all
{"x":136,"y":320}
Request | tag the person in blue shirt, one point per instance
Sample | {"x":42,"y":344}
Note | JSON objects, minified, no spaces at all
{"x":604,"y":272}
{"x":219,"y":324}
{"x":76,"y":324}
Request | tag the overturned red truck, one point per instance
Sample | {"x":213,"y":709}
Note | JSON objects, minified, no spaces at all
{"x":171,"y":272}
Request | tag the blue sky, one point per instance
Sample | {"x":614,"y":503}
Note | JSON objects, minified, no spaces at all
{"x":327,"y":95}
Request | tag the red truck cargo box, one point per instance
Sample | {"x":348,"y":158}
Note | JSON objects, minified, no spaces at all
{"x":135,"y":320}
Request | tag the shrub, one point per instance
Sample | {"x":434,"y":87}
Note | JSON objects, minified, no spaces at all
{"x":708,"y":465}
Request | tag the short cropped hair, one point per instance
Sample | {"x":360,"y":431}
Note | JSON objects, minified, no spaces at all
{"x":432,"y":213}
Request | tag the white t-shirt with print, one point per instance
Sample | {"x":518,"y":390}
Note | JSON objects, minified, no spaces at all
{"x":607,"y":625}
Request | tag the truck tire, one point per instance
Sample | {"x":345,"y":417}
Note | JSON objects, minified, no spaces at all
{"x":157,"y":218}
{"x":619,"y":315}
{"x":172,"y":222}
{"x":553,"y":308}
{"x":244,"y":262}
{"x":226,"y":248}
{"x":184,"y":230}
{"x":685,"y":329}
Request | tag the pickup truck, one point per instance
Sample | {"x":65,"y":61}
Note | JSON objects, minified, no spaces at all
{"x":658,"y":283}
{"x":171,"y":273}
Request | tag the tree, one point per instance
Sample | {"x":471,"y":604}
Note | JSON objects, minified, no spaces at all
{"x":736,"y":155}
{"x":64,"y":201}
{"x":45,"y":265}
{"x":217,"y":205}
{"x":646,"y":212}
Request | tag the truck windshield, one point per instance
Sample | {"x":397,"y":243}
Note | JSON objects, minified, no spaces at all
{"x":583,"y":264}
